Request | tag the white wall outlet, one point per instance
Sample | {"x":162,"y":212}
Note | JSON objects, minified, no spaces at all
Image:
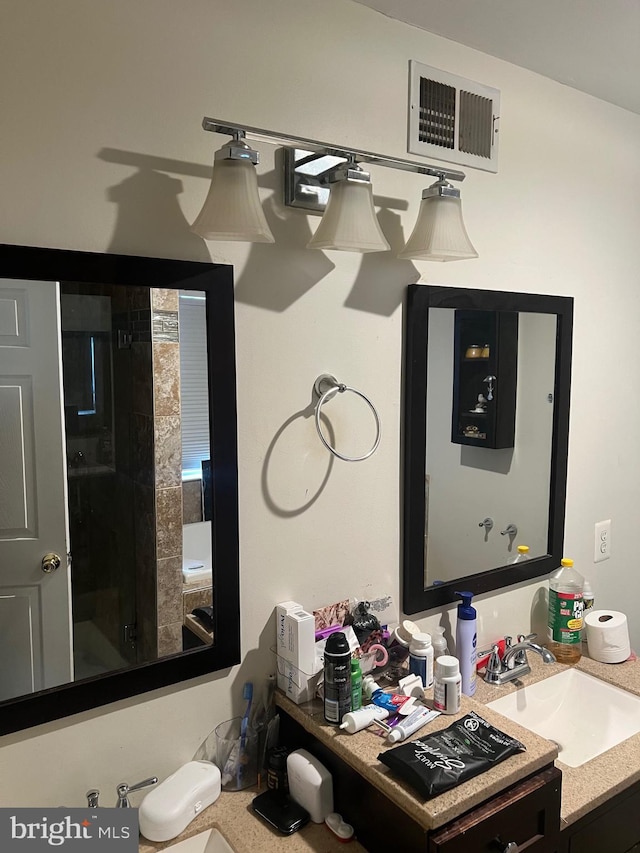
{"x":602,"y":541}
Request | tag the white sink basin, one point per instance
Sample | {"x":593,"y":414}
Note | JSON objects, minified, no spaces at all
{"x":209,"y":841}
{"x":581,"y":714}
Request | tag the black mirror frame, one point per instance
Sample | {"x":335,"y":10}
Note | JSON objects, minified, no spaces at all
{"x":420,"y":298}
{"x":30,"y":263}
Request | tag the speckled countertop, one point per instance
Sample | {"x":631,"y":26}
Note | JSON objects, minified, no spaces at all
{"x":361,"y":752}
{"x":247,"y":833}
{"x":583,"y":788}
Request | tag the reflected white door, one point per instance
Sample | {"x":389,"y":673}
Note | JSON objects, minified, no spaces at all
{"x":35,"y":606}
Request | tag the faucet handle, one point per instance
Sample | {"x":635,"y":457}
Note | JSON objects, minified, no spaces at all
{"x":92,"y":798}
{"x":495,"y":663}
{"x":124,"y":790}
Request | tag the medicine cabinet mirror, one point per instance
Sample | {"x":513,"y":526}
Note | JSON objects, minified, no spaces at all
{"x":486,"y":426}
{"x":117,"y":387}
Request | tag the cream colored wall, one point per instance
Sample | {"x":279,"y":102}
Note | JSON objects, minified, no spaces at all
{"x":100,"y":99}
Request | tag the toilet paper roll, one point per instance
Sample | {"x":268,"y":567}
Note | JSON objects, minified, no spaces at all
{"x":607,"y":636}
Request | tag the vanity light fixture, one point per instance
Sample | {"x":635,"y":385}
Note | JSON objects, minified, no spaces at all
{"x":439,"y":233}
{"x":323,"y":177}
{"x":232,"y":209}
{"x":349,"y":222}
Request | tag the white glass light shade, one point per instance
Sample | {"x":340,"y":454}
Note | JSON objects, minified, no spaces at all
{"x":232,"y":209}
{"x":439,"y":233}
{"x":349,"y":222}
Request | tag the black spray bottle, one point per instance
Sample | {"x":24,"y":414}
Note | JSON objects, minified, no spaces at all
{"x":337,"y":678}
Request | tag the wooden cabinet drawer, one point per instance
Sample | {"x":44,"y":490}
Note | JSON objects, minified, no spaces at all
{"x":615,"y":829}
{"x":528,"y":813}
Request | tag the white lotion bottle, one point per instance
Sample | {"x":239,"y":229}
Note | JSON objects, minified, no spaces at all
{"x":466,"y":640}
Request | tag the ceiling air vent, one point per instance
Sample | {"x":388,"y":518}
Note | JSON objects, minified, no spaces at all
{"x":453,"y":119}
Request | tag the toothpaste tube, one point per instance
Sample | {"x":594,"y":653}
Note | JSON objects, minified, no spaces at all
{"x":411,"y":724}
{"x":355,"y":721}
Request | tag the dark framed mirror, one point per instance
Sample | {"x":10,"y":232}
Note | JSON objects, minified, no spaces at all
{"x":117,"y":387}
{"x":487,"y":379}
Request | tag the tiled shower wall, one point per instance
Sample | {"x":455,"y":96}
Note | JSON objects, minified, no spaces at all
{"x":168,"y":469}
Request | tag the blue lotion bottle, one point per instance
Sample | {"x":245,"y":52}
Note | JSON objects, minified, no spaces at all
{"x":466,"y":642}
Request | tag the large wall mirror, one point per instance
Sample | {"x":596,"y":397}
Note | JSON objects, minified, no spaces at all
{"x":118,"y":478}
{"x":486,"y":422}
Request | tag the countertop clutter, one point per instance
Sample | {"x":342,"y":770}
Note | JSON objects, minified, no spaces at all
{"x":247,"y":833}
{"x":583,"y":788}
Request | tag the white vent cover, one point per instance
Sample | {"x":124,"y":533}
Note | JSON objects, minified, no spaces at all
{"x":453,"y":119}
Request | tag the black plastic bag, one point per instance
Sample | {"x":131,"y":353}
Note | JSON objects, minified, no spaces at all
{"x":444,"y":759}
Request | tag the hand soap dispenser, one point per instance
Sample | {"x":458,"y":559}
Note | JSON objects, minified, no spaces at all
{"x":466,"y":641}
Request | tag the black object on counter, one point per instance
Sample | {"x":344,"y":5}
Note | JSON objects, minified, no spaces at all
{"x":337,"y":678}
{"x":277,"y":779}
{"x":281,"y":811}
{"x":444,"y":759}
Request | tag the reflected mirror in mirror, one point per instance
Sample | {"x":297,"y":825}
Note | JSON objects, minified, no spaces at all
{"x":486,"y":427}
{"x":117,"y":412}
{"x":466,"y":484}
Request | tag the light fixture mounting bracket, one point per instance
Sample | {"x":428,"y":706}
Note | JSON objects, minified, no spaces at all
{"x":309,"y":163}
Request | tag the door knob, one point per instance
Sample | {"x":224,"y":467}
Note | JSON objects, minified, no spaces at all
{"x":50,"y":562}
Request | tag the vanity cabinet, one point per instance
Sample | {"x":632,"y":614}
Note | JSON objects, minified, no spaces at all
{"x":527,"y":814}
{"x":613,"y":827}
{"x":485,"y":367}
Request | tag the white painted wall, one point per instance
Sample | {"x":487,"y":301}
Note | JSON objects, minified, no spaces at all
{"x":98,"y":102}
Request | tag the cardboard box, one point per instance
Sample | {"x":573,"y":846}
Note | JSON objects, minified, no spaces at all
{"x":295,"y":636}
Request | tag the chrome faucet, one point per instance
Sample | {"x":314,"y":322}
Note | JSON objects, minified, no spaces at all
{"x":124,"y":790}
{"x":514,"y":663}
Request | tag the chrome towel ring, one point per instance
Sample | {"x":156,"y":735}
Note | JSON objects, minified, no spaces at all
{"x":327,"y":386}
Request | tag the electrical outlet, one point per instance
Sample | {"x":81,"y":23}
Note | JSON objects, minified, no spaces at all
{"x":602,"y":541}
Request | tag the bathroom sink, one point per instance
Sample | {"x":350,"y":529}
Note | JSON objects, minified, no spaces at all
{"x":209,"y":841}
{"x":581,"y":714}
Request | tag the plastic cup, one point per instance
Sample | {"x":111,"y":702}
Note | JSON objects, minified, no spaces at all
{"x":236,"y":756}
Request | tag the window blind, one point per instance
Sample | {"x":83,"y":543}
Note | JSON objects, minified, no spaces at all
{"x":194,"y":391}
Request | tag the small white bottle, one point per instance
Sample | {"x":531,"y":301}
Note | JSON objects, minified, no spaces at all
{"x":587,"y":602}
{"x":421,"y":658}
{"x":439,"y":643}
{"x":447,"y":686}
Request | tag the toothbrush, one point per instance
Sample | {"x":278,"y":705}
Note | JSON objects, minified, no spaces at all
{"x":247,"y":693}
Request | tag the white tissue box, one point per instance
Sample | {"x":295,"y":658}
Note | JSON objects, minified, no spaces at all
{"x":174,"y":803}
{"x":295,"y":635}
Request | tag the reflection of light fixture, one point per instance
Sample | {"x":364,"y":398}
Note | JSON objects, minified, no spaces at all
{"x":319,"y":176}
{"x":439,"y":233}
{"x":232,"y":209}
{"x":349,"y":222}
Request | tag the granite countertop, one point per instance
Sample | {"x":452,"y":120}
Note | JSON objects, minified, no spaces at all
{"x":583,"y":788}
{"x":246,"y":833}
{"x":361,"y":752}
